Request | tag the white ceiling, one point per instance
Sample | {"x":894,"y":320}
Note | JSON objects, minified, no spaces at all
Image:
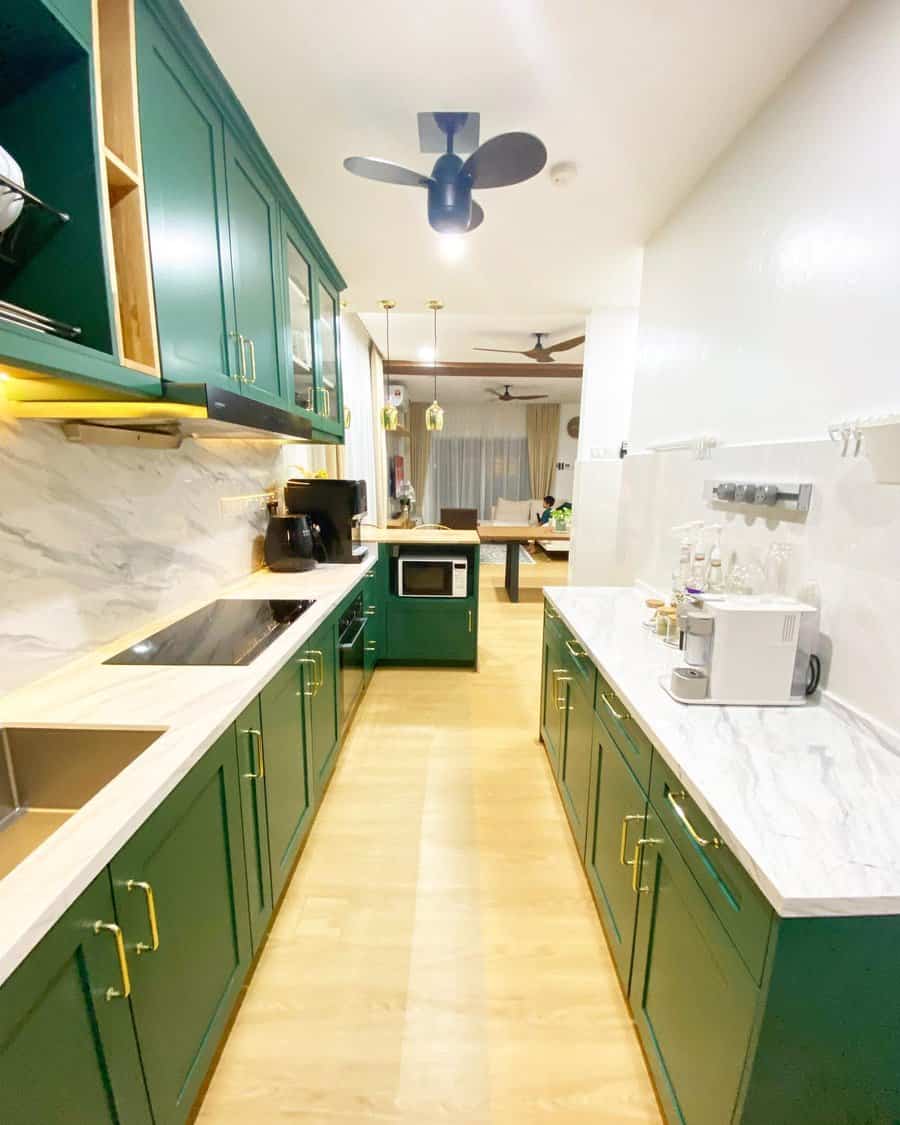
{"x":641,"y":95}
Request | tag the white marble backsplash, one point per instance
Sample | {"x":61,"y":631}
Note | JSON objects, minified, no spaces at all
{"x":845,"y":552}
{"x":95,"y":540}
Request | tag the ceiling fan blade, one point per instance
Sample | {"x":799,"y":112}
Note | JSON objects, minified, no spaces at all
{"x":544,"y":356}
{"x":507,"y":159}
{"x":526,"y":398}
{"x":477,"y":217}
{"x":502,"y":351}
{"x":564,"y":346}
{"x":372,"y":168}
{"x":491,"y":391}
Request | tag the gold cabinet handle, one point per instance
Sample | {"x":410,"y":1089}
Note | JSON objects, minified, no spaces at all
{"x":241,"y":340}
{"x":701,"y":841}
{"x":141,"y":946}
{"x":319,"y":658}
{"x":645,"y":841}
{"x":561,"y":703}
{"x":309,"y":690}
{"x":310,"y":403}
{"x":257,"y":740}
{"x":370,"y":646}
{"x":550,"y":615}
{"x":609,"y":707}
{"x":327,"y":402}
{"x":252,"y":378}
{"x":347,"y":417}
{"x":111,"y":928}
{"x":469,"y":612}
{"x":623,"y":842}
{"x":371,"y":610}
{"x":572,"y":651}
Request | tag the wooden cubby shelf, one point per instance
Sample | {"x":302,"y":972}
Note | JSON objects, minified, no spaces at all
{"x":126,"y":218}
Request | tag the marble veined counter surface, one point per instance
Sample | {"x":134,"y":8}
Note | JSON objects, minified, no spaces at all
{"x":191,"y":706}
{"x":806,"y":797}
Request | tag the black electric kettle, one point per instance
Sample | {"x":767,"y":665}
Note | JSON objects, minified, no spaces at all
{"x":289,"y":544}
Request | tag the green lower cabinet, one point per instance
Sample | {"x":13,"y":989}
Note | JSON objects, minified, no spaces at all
{"x":575,"y":758}
{"x":67,"y":1053}
{"x":322,"y":705}
{"x":691,"y":995}
{"x":375,"y":608}
{"x":251,"y":756}
{"x":184,"y":868}
{"x":552,"y":692}
{"x":432,"y":631}
{"x":615,"y":824}
{"x":289,"y":791}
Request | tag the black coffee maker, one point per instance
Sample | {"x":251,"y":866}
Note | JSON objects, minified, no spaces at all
{"x":289,"y":543}
{"x":334,"y":508}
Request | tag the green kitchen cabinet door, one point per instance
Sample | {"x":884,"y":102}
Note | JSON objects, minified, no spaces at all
{"x":329,"y":390}
{"x":691,"y":995}
{"x":322,"y":705}
{"x":553,"y":715}
{"x":67,"y":1053}
{"x":432,"y":631}
{"x":615,"y":824}
{"x":255,"y":264}
{"x":183,"y":143}
{"x":77,"y":14}
{"x":374,"y":606}
{"x":180,"y":884}
{"x":298,"y":324}
{"x":254,"y":818}
{"x":575,"y":760}
{"x":289,"y":792}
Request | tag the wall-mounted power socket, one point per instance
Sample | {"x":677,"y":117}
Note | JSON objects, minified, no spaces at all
{"x":235,"y":507}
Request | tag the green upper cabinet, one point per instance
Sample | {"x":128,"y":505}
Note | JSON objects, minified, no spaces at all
{"x":255,"y":263}
{"x":299,"y":334}
{"x":76,"y":14}
{"x":328,"y":335}
{"x":67,"y":1046}
{"x":183,"y":140}
{"x":180,"y":885}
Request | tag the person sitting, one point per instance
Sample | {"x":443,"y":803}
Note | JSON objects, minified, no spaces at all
{"x":544,"y":517}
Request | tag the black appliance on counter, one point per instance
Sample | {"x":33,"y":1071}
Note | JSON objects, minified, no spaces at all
{"x":228,"y":631}
{"x":335,"y":507}
{"x":289,"y":544}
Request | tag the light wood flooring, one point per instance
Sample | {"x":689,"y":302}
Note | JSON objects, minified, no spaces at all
{"x":437,"y":957}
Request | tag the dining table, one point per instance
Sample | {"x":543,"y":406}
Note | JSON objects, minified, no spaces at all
{"x":514,"y":535}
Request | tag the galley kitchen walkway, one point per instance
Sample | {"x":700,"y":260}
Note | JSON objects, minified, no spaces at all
{"x":438,"y":958}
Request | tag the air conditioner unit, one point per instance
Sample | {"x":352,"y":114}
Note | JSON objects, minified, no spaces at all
{"x":396,"y":397}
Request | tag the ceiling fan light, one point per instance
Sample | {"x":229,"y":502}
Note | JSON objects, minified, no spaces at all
{"x":434,"y":417}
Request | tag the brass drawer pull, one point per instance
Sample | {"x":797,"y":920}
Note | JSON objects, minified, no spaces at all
{"x":252,"y":378}
{"x":572,"y":651}
{"x":318,"y":656}
{"x":623,"y":842}
{"x":310,"y":689}
{"x":636,"y":864}
{"x":112,"y":928}
{"x":469,"y":612}
{"x":370,"y":646}
{"x":260,"y":772}
{"x":550,"y":615}
{"x":701,"y":841}
{"x":141,"y":946}
{"x":561,"y":703}
{"x":371,"y":610}
{"x":241,"y":340}
{"x":609,"y":707}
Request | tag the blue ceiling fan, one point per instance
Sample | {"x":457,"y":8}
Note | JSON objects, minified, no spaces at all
{"x":509,"y":158}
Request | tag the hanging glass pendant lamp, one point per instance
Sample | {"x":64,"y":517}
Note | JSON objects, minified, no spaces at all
{"x":434,"y":415}
{"x":389,"y":414}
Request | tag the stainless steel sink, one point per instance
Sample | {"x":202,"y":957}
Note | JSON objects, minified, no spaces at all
{"x":48,"y":773}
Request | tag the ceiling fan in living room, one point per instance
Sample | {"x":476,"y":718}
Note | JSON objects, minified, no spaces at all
{"x":507,"y":397}
{"x":539,"y":353}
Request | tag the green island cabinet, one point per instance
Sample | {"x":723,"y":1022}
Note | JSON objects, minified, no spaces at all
{"x":118,"y":1012}
{"x":745,"y":1017}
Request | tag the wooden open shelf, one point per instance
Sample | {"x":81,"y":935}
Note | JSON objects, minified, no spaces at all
{"x":126,"y":216}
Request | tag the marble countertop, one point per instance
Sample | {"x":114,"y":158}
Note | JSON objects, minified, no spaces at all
{"x":806,"y":797}
{"x":191,"y":706}
{"x":415,"y":535}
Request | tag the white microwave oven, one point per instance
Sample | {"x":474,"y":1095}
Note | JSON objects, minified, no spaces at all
{"x":432,"y":576}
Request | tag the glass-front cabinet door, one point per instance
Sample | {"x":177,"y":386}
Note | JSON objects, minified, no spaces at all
{"x":311,"y":336}
{"x":300,"y":326}
{"x":329,"y":404}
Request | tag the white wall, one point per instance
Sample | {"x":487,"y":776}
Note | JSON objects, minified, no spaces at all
{"x":563,"y":487}
{"x":770,"y":300}
{"x":359,"y":448}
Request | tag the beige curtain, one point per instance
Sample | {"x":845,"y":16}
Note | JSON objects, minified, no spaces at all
{"x":542,"y":428}
{"x":419,"y":450}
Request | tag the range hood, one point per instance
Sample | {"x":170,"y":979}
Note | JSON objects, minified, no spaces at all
{"x":199,"y":410}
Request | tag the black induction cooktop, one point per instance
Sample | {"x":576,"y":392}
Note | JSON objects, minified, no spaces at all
{"x":227,"y":631}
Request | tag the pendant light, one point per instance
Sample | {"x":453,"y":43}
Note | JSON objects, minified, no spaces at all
{"x":434,"y":415}
{"x":389,"y":415}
